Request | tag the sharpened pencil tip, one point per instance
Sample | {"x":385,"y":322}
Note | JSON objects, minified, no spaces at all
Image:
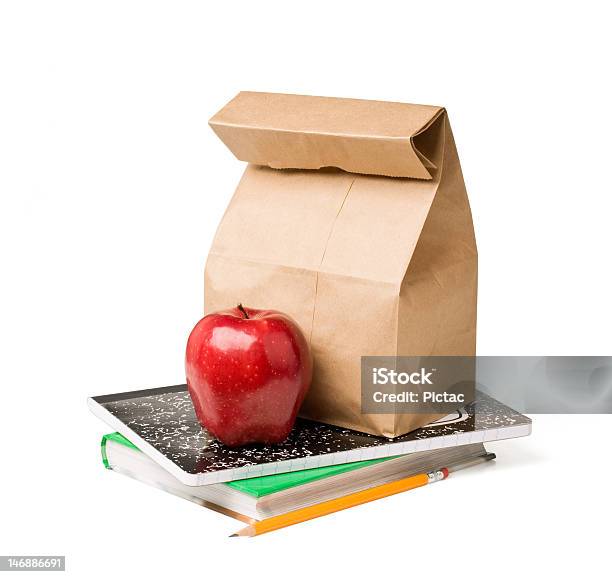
{"x":234,"y":535}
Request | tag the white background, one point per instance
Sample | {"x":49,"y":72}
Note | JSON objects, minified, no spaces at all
{"x":112,"y":185}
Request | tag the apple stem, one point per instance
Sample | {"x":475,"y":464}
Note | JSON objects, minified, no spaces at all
{"x":243,"y":311}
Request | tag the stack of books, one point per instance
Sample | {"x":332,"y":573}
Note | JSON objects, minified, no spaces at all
{"x":159,"y":441}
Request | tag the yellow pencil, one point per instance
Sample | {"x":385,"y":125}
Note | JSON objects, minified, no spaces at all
{"x":334,"y":505}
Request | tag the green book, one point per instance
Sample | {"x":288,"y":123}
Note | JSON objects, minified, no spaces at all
{"x":262,"y":497}
{"x":262,"y":486}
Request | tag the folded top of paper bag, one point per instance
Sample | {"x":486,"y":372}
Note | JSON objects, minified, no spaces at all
{"x":311,"y":132}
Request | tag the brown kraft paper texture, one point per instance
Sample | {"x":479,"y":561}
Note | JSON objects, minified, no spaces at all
{"x":364,"y":237}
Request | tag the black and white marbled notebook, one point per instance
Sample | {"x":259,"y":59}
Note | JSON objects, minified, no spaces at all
{"x":162,"y":423}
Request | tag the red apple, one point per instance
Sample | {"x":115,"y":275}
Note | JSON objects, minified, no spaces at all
{"x":248,"y":372}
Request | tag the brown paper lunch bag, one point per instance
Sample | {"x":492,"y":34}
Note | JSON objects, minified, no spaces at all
{"x":352,"y":217}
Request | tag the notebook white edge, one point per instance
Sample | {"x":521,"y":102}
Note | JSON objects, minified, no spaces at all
{"x":389,"y":450}
{"x":110,"y":419}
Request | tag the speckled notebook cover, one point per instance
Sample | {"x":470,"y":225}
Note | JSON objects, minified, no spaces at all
{"x":162,"y":423}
